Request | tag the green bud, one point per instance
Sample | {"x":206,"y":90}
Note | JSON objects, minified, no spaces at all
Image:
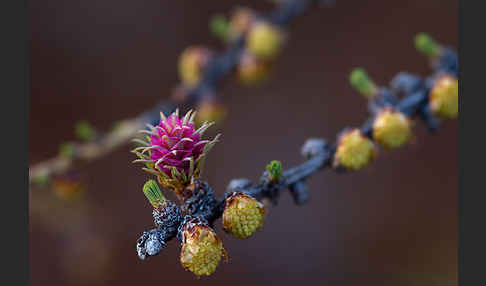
{"x":426,"y":45}
{"x":219,"y":26}
{"x":154,"y":195}
{"x":362,"y":83}
{"x":274,"y":170}
{"x":84,"y":130}
{"x":67,"y":150}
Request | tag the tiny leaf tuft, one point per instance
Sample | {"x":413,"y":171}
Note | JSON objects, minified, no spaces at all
{"x":154,"y":195}
{"x":274,"y":169}
{"x":426,"y":45}
{"x":362,"y":83}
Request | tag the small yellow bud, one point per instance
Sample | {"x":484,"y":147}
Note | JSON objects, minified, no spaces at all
{"x":264,"y":41}
{"x":191,"y":64}
{"x":391,"y":128}
{"x":210,"y":110}
{"x":243,"y":215}
{"x":443,"y":97}
{"x":201,"y":249}
{"x":354,"y":151}
{"x":251,"y":70}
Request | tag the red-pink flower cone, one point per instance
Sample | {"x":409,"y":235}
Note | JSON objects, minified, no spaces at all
{"x":174,"y":150}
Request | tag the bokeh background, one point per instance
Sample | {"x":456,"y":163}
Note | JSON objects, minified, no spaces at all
{"x":394,"y":223}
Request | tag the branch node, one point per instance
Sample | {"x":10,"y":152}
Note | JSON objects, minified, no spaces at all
{"x":313,"y":147}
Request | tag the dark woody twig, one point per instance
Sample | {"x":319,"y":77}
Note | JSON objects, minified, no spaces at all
{"x":204,"y":206}
{"x":214,"y":72}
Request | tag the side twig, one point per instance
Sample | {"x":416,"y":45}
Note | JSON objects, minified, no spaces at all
{"x":214,"y":72}
{"x":204,"y":206}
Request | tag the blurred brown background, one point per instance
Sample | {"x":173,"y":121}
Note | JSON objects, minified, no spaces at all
{"x":394,"y":223}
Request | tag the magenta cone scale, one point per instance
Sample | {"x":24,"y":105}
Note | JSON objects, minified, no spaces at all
{"x":174,"y":150}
